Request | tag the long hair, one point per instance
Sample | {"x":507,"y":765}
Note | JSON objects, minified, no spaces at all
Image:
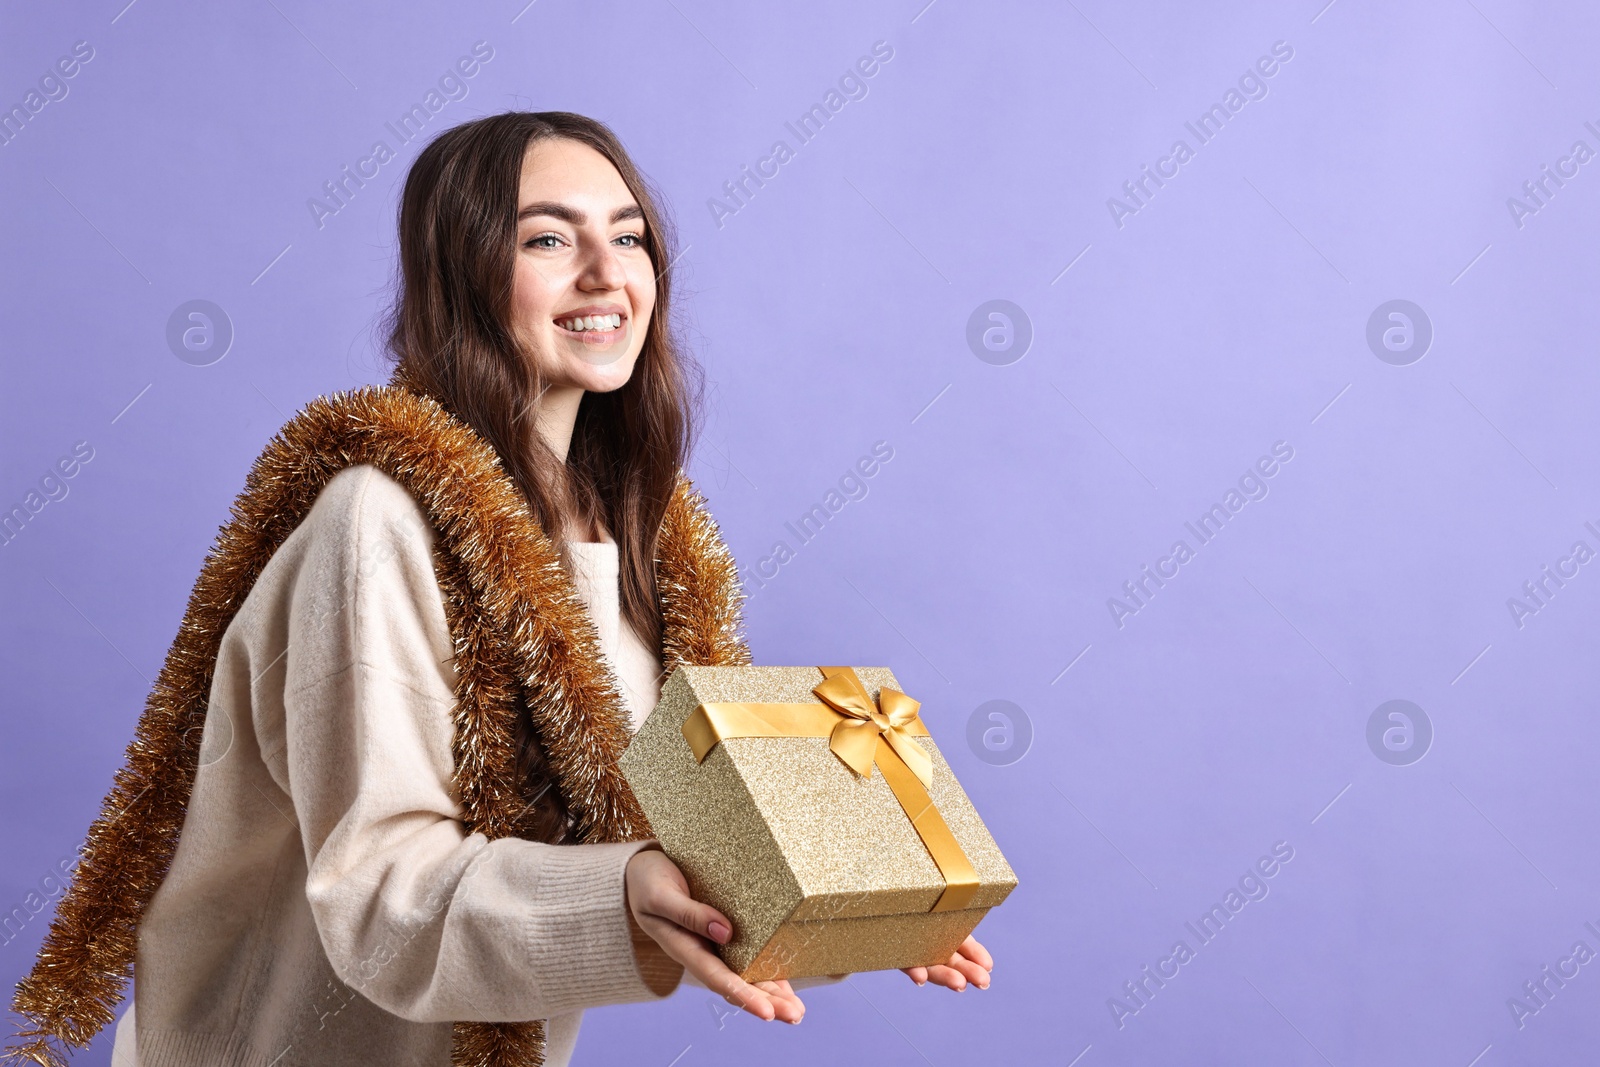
{"x":450,"y":334}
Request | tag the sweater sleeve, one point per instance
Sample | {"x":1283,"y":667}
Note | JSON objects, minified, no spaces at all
{"x":427,"y":921}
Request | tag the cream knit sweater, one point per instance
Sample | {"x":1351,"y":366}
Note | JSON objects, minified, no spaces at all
{"x":325,"y":905}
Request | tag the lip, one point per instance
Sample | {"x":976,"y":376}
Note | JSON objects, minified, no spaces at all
{"x":593,"y":337}
{"x":594,"y":309}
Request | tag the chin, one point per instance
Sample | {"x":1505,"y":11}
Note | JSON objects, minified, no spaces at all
{"x":604,"y":379}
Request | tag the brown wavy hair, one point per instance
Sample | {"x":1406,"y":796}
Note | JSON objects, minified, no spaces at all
{"x":450,"y":335}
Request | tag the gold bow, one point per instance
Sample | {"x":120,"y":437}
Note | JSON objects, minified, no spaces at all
{"x":867,"y":734}
{"x":894,"y":718}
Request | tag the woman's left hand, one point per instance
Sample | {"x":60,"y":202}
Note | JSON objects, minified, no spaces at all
{"x":969,"y":963}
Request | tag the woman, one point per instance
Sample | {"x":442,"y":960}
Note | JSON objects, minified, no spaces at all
{"x":402,"y":833}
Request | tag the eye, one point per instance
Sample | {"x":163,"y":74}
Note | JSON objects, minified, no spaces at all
{"x":635,"y":240}
{"x":534,"y":242}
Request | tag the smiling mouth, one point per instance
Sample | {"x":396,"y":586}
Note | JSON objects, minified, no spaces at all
{"x":592,"y":329}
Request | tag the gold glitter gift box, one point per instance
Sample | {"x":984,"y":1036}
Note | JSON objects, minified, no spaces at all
{"x":810,"y":806}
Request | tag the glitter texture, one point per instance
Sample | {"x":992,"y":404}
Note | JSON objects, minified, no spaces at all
{"x":819,"y":869}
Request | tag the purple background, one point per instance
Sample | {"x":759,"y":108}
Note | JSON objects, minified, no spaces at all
{"x":831,"y":311}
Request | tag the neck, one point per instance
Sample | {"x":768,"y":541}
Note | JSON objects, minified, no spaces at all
{"x":555,"y":414}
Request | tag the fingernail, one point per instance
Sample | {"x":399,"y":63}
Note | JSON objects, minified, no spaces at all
{"x":719,"y":932}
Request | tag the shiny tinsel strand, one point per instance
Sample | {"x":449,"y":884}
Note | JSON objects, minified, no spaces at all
{"x":521,"y":636}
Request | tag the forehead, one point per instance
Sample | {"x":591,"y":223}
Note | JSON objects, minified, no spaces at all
{"x":571,"y":172}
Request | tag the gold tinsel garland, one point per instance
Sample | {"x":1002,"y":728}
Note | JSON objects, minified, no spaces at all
{"x":521,"y":636}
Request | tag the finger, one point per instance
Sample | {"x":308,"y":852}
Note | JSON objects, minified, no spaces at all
{"x":680,"y":944}
{"x":690,"y":950}
{"x":786,"y":1005}
{"x":948,"y":977}
{"x":975,"y":973}
{"x":974,"y":951}
{"x":671,"y":901}
{"x":918,"y":975}
{"x":707,"y":966}
{"x":968,"y":972}
{"x":742,"y":994}
{"x":964,"y":962}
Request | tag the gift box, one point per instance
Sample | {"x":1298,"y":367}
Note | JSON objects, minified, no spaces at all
{"x":812,"y":807}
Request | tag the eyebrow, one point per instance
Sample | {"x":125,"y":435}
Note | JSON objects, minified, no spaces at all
{"x":566,"y":213}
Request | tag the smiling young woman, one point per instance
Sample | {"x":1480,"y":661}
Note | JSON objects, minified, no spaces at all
{"x":373,"y":812}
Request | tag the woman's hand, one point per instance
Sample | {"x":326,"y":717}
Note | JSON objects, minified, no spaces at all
{"x":969,"y":963}
{"x":658,"y":896}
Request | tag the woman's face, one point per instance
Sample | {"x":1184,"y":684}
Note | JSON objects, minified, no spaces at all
{"x":583,"y":286}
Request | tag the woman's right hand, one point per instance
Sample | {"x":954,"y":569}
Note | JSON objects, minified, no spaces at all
{"x":658,"y":896}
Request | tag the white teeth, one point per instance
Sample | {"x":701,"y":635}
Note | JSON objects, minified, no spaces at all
{"x":592,"y":322}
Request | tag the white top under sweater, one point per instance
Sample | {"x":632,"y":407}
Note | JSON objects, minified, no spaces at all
{"x":325,"y":905}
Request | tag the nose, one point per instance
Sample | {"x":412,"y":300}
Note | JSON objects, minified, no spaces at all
{"x":601,"y":268}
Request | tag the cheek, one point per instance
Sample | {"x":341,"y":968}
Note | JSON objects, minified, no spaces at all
{"x":531,"y":292}
{"x":642,"y":293}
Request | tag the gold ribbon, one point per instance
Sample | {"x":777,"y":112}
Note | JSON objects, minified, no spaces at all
{"x":863,"y":734}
